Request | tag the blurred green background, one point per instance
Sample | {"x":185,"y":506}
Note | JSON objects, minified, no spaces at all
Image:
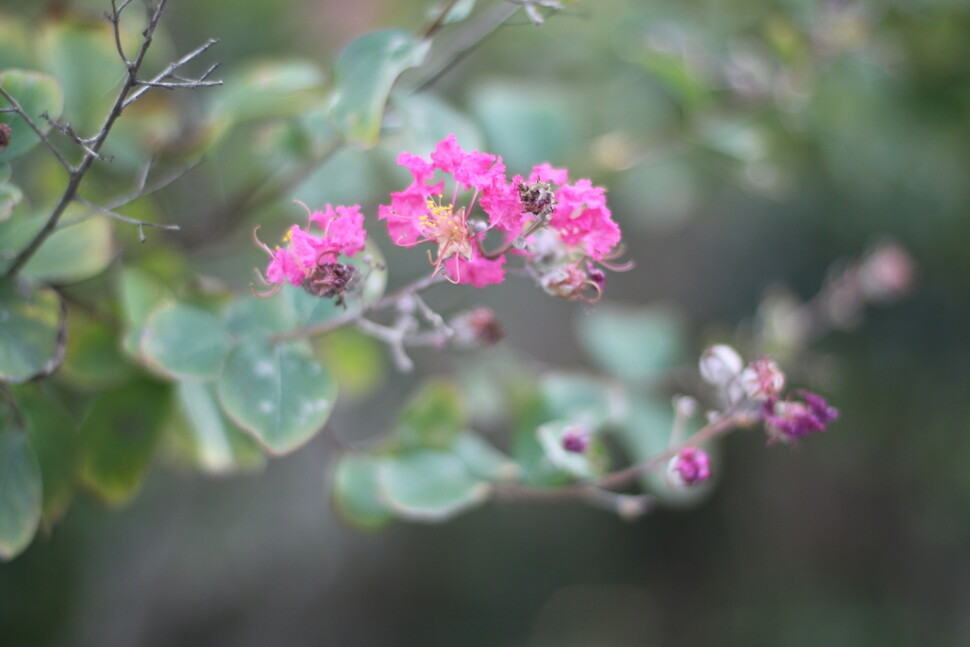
{"x":743,"y":144}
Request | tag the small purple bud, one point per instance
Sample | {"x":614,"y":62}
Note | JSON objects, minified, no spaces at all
{"x":690,"y":466}
{"x":575,"y":440}
{"x":5,"y":131}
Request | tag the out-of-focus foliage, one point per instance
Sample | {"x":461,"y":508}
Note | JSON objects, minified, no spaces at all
{"x":741,"y":144}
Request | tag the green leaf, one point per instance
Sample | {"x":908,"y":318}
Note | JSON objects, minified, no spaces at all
{"x":10,"y":197}
{"x":581,"y":398}
{"x":280,"y":393}
{"x":36,"y":93}
{"x":5,"y":172}
{"x":73,"y":253}
{"x":82,"y":56}
{"x":184,"y":342}
{"x":53,"y":435}
{"x":483,"y":460}
{"x":119,"y":437}
{"x":93,"y":360}
{"x":433,"y":417}
{"x":216,"y":444}
{"x":31,"y":327}
{"x":355,"y":492}
{"x":425,"y":120}
{"x":527,"y":121}
{"x":635,"y":344}
{"x":365,"y":72}
{"x":20,"y":493}
{"x":268,"y":89}
{"x":429,"y":485}
{"x":586,"y":465}
{"x":355,"y":360}
{"x":139,"y":293}
{"x":458,"y":12}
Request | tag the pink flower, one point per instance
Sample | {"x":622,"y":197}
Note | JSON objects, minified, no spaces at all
{"x":419,"y":213}
{"x":307,"y":259}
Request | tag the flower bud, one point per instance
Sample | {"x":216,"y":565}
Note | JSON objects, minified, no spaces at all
{"x":575,"y":440}
{"x":720,"y":364}
{"x":4,"y":136}
{"x":762,"y":380}
{"x":475,"y":328}
{"x":690,"y":466}
{"x":887,"y":273}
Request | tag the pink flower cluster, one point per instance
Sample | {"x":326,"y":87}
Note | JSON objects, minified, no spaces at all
{"x":310,"y":260}
{"x":560,"y":233}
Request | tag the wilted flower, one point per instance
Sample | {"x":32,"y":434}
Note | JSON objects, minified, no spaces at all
{"x":790,"y":420}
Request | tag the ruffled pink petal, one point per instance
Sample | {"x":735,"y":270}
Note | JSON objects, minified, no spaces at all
{"x":284,"y":268}
{"x":479,"y":271}
{"x":546,"y":173}
{"x":447,"y":155}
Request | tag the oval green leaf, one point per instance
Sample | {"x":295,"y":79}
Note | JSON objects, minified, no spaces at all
{"x":635,"y":344}
{"x":36,"y":93}
{"x":73,"y":253}
{"x":280,"y":393}
{"x":356,"y":496}
{"x":20,"y":493}
{"x":31,"y":332}
{"x":430,"y":486}
{"x":216,"y":445}
{"x":119,"y":437}
{"x":53,"y":435}
{"x":184,"y":342}
{"x":139,"y":293}
{"x":365,"y":72}
{"x":433,"y":417}
{"x":483,"y":460}
{"x":268,"y":89}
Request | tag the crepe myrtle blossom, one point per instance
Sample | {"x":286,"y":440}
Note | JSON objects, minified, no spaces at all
{"x":310,"y":261}
{"x":563,"y":232}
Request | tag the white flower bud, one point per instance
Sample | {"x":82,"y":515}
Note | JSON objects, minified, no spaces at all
{"x":762,"y":379}
{"x":720,"y":364}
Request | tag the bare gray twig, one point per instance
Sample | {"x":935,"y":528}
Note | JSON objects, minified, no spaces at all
{"x":91,"y":147}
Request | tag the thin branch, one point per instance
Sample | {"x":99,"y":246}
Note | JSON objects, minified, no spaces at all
{"x":67,"y":130}
{"x":17,"y":108}
{"x":141,"y":224}
{"x":92,"y":146}
{"x":159,"y":78}
{"x":490,"y":25}
{"x":438,"y":21}
{"x":353,"y":315}
{"x":621,"y":478}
